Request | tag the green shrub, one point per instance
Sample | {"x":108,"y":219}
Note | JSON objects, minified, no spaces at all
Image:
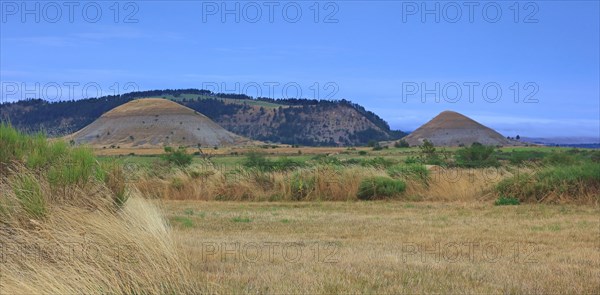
{"x":363,"y":153}
{"x":476,"y":156}
{"x":375,"y":188}
{"x":177,"y":157}
{"x":429,"y":155}
{"x":411,"y":160}
{"x":505,"y":201}
{"x":401,"y":144}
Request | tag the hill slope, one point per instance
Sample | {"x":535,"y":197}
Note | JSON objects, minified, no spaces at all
{"x":454,"y":129}
{"x":290,"y":121}
{"x":154,"y":122}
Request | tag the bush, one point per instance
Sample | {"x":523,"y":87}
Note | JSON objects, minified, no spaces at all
{"x":411,"y":160}
{"x":505,"y":201}
{"x":177,"y":157}
{"x":429,"y":155}
{"x":401,"y":144}
{"x":375,"y":188}
{"x":476,"y":156}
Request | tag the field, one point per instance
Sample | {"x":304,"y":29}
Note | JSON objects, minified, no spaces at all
{"x":389,"y":247}
{"x":272,"y":219}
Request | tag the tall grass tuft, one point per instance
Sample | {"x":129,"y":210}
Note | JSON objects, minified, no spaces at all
{"x":61,"y":233}
{"x":28,"y":192}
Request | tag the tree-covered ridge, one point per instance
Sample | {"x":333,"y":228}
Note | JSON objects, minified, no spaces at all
{"x":291,"y":121}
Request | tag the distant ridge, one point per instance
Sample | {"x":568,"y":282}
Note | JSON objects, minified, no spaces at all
{"x":154,"y":122}
{"x":294,"y":121}
{"x":453,"y":129}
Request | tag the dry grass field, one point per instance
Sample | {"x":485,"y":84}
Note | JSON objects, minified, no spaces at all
{"x":72,"y":223}
{"x":388,"y":247}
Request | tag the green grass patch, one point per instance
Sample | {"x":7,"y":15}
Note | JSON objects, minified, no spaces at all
{"x":239,"y":219}
{"x":375,"y":188}
{"x":506,"y":201}
{"x":568,"y":181}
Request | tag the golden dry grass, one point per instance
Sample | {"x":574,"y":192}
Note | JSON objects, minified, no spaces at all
{"x":77,"y":251}
{"x":330,"y":184}
{"x":74,"y":240}
{"x":389,"y":247}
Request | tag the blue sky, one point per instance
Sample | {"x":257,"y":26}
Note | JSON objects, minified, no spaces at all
{"x":385,"y":55}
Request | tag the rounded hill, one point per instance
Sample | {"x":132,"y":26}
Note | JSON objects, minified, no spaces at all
{"x":155,"y":122}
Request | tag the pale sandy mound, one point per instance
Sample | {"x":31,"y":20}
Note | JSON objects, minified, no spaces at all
{"x":454,"y":129}
{"x":155,"y":122}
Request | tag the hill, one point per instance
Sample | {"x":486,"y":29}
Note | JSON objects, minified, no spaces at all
{"x":289,"y":121}
{"x":154,"y":122}
{"x":454,"y":129}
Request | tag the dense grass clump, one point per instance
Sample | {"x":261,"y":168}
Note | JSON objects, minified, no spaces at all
{"x":32,"y":161}
{"x":302,"y":185}
{"x":409,"y":171}
{"x":505,"y":201}
{"x":375,"y":188}
{"x":29,"y":194}
{"x":578,"y":183}
{"x":53,"y":195}
{"x":476,"y":156}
